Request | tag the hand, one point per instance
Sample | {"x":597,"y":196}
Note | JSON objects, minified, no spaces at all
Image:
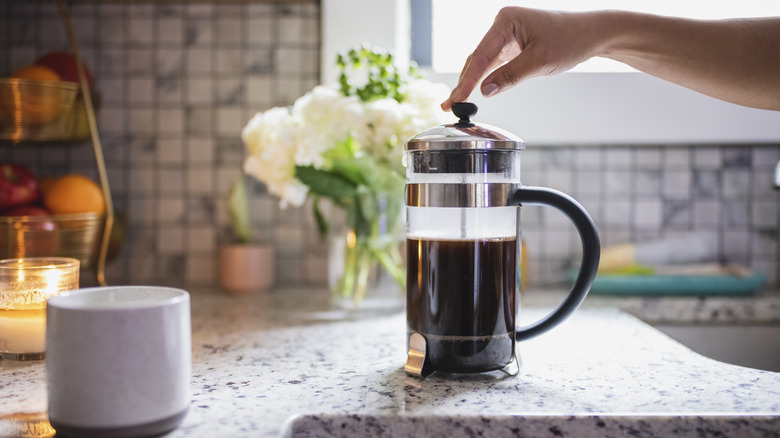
{"x":523,"y":43}
{"x":733,"y":60}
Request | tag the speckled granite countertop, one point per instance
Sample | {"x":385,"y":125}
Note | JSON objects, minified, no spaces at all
{"x":762,"y":308}
{"x":266,"y":366}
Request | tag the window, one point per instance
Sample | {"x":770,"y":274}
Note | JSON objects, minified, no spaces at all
{"x":448,"y":48}
{"x":578,"y":107}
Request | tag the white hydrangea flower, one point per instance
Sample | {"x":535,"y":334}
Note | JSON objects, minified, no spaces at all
{"x":272,"y":139}
{"x":279,"y":139}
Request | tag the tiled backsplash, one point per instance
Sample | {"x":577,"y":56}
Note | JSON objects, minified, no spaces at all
{"x":179,"y":81}
{"x":646,"y":193}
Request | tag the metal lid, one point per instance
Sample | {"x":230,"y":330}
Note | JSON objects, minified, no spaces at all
{"x":464,"y":135}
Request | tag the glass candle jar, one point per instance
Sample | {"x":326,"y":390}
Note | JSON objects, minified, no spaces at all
{"x":25,"y":285}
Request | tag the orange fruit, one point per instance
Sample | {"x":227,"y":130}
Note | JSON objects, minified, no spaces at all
{"x":73,"y":194}
{"x":38,"y":104}
{"x":38,"y":72}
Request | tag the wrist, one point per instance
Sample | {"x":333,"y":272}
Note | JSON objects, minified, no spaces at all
{"x":638,"y":39}
{"x":612,"y":31}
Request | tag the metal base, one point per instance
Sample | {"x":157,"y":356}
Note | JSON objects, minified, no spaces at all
{"x":416,"y":364}
{"x":23,"y":356}
{"x":415,"y":361}
{"x":513,"y":367}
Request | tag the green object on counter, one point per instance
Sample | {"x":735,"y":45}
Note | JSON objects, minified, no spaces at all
{"x":675,"y":285}
{"x":631,"y":270}
{"x":238,"y":211}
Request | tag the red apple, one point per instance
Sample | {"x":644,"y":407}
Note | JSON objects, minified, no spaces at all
{"x":64,"y":64}
{"x":18,"y":186}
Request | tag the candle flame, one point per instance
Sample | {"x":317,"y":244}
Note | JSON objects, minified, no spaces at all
{"x":53,"y":281}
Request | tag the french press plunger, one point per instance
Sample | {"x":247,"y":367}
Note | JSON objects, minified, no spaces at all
{"x":463,"y":198}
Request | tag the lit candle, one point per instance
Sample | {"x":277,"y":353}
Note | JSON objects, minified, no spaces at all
{"x":25,"y":285}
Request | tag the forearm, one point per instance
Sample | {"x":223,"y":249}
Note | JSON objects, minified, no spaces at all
{"x":733,"y":60}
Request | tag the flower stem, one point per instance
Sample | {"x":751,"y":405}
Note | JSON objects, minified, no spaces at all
{"x":392,"y":262}
{"x":347,"y":282}
{"x":364,"y":268}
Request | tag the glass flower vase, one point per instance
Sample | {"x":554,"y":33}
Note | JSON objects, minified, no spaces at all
{"x":366,"y":272}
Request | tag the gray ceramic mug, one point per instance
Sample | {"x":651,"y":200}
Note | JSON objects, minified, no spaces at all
{"x":118,"y":360}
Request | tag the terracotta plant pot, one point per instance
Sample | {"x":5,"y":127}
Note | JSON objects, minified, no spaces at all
{"x":246,"y":269}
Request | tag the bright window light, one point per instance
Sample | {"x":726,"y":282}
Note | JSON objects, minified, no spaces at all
{"x":458,"y":25}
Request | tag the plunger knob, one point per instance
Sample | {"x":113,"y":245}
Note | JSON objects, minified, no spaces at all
{"x":464,"y":111}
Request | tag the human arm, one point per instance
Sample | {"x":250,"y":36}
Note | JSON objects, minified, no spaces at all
{"x":734,"y":60}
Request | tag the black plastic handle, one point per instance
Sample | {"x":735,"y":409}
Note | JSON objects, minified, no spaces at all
{"x":591,"y":253}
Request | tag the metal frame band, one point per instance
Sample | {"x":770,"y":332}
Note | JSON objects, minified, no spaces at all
{"x":464,"y":145}
{"x":460,"y":195}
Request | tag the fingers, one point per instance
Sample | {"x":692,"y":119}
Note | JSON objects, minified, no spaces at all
{"x":523,"y":43}
{"x":476,"y":66}
{"x":520,"y":68}
{"x":484,"y":58}
{"x":507,"y":76}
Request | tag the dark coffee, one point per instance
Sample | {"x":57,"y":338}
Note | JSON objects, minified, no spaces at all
{"x":460,"y":295}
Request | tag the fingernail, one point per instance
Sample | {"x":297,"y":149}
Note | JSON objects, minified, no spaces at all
{"x":489,"y":89}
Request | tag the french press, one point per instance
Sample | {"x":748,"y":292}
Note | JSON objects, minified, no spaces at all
{"x":463,"y":198}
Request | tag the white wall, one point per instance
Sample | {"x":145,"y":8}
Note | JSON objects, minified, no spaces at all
{"x":349,"y":23}
{"x":621,"y":108}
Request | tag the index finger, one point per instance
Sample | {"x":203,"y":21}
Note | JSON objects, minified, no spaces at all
{"x":484,"y":59}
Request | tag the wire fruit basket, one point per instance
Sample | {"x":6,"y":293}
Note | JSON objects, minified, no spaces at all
{"x":37,"y":110}
{"x":72,"y":235}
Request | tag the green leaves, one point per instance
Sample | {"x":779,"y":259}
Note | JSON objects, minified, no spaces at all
{"x":325,"y":183}
{"x":363,"y":187}
{"x":384,"y":77}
